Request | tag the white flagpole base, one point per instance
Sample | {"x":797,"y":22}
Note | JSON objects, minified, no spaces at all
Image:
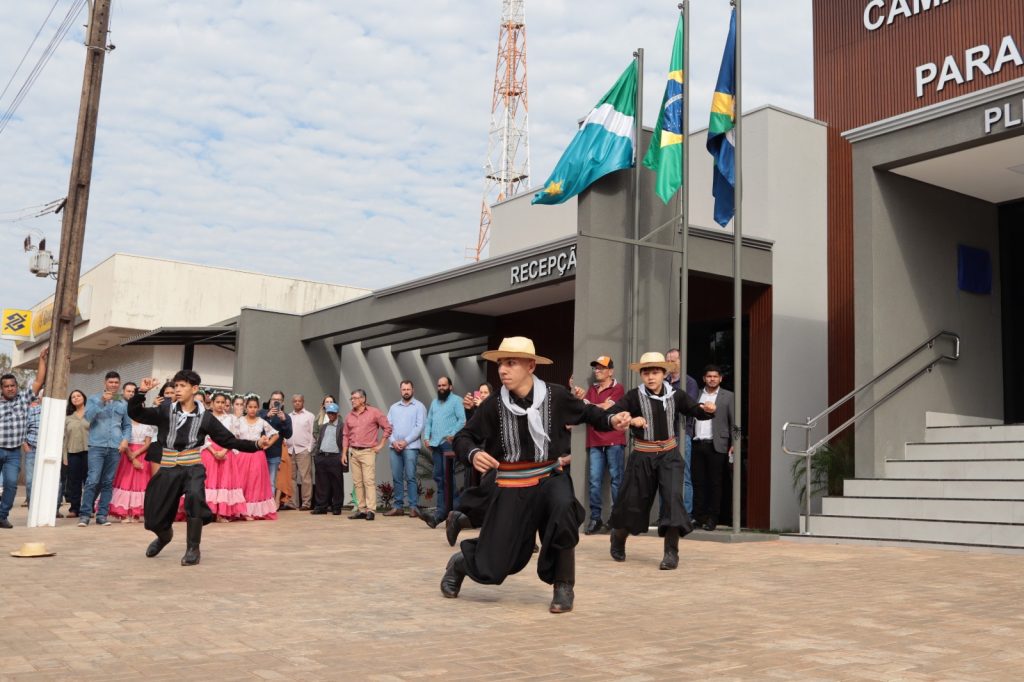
{"x":42,"y":510}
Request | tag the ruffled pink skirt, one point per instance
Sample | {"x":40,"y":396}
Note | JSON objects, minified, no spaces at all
{"x":130,"y":485}
{"x":255,"y":476}
{"x":224,"y":485}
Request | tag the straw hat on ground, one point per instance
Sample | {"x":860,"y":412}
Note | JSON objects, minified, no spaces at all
{"x":654,"y":360}
{"x":31,"y":550}
{"x":515,"y":347}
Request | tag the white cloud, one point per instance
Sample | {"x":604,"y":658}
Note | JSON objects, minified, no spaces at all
{"x":335,"y":141}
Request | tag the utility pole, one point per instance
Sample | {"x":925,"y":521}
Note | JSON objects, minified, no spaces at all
{"x":65,"y":299}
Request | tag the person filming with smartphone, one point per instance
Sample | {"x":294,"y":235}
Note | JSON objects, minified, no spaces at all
{"x":275,"y":415}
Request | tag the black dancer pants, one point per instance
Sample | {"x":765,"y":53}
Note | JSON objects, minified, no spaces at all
{"x":707,"y":467}
{"x":648,"y":474}
{"x":514,"y":518}
{"x":166,"y":488}
{"x":329,"y":488}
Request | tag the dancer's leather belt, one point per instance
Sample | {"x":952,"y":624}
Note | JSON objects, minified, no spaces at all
{"x":182,"y":458}
{"x":524,"y":474}
{"x":654,"y":445}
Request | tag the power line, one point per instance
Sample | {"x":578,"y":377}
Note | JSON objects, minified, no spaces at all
{"x":30,"y":46}
{"x":37,"y":212}
{"x":29,"y":209}
{"x":44,"y":58}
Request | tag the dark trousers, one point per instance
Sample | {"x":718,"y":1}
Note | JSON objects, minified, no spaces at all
{"x":514,"y":519}
{"x":708,"y":465}
{"x":476,"y":498}
{"x":78,"y":469}
{"x":166,"y":488}
{"x":648,"y":474}
{"x":329,"y":487}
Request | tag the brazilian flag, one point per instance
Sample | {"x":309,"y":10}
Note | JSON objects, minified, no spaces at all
{"x":665,"y":155}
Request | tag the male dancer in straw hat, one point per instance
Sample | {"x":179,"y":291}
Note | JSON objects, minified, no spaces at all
{"x":520,"y":434}
{"x":183,"y":426}
{"x":655,"y":465}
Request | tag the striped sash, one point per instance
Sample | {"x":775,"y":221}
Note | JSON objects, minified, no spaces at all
{"x":524,"y":474}
{"x":184,"y":458}
{"x":654,"y":446}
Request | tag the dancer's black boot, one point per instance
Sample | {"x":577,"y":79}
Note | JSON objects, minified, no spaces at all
{"x":671,"y":558}
{"x":454,"y":574}
{"x":618,"y":537}
{"x":162,"y":539}
{"x":195,"y":535}
{"x":565,"y":579}
{"x":454,"y":524}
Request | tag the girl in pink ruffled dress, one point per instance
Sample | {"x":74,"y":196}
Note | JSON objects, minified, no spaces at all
{"x":224,"y":480}
{"x":252,"y":466}
{"x":133,"y":472}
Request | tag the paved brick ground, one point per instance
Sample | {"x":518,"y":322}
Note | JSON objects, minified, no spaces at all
{"x":310,"y":598}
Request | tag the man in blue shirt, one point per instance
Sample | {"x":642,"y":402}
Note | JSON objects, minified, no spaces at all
{"x":445,"y":418}
{"x":109,"y":431}
{"x":282,"y":423}
{"x":407,"y":418}
{"x":14,"y":408}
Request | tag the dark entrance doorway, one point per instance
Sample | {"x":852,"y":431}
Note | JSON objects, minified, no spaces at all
{"x":1011,"y":258}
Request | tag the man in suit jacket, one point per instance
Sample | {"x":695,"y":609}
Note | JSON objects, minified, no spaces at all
{"x":712,"y":444}
{"x":326,"y":455}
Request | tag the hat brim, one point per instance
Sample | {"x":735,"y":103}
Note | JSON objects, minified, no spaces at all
{"x":495,"y":355}
{"x":598,"y":364}
{"x":667,"y":366}
{"x":31,"y":556}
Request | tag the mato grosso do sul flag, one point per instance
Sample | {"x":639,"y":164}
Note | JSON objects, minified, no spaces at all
{"x":721,"y":132}
{"x":665,"y":155}
{"x":604,"y":143}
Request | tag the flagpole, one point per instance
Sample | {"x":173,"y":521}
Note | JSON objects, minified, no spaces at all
{"x":737,"y":296}
{"x":684,"y":203}
{"x":634,"y":340}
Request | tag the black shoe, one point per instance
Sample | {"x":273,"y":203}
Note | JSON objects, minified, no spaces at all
{"x":671,"y":559}
{"x":710,"y":526}
{"x":357,"y":515}
{"x":454,"y":524}
{"x":336,"y":512}
{"x":195,"y":535}
{"x":4,"y":523}
{"x":561,"y":602}
{"x":191,"y":557}
{"x":162,"y":540}
{"x":319,"y":511}
{"x":430,"y":520}
{"x":369,"y":516}
{"x":694,"y":522}
{"x":593,"y":527}
{"x":454,"y":574}
{"x":618,"y":538}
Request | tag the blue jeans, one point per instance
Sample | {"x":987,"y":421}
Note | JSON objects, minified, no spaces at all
{"x":403,"y":477}
{"x":599,"y":459}
{"x":30,"y":465}
{"x":10,"y":465}
{"x":102,"y":467}
{"x":687,"y":481}
{"x":273,"y":464}
{"x":439,"y":458}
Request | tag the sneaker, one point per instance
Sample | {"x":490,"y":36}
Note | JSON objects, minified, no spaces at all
{"x":102,"y":521}
{"x":83,"y":521}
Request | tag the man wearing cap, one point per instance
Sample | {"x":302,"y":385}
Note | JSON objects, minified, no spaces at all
{"x":605,"y":449}
{"x":655,"y":467}
{"x":326,"y":453}
{"x":516,"y":437}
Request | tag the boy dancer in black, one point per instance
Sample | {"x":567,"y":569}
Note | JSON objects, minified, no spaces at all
{"x":519,"y":434}
{"x":182,"y":425}
{"x":655,"y":465}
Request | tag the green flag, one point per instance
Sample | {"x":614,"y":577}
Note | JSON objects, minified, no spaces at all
{"x":665,"y":155}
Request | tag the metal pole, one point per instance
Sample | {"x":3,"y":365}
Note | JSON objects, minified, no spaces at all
{"x":634,"y":340}
{"x":684,"y":203}
{"x":737,"y":297}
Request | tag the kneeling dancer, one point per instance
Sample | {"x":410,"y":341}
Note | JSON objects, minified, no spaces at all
{"x":183,"y":425}
{"x":519,"y":435}
{"x":655,"y":465}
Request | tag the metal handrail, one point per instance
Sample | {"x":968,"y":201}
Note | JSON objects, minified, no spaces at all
{"x":811,"y":422}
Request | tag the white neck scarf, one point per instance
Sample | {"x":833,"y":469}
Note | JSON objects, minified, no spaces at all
{"x":533,"y":417}
{"x":663,"y":398}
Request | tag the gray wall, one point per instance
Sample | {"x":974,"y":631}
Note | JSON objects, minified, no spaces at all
{"x":905,"y":282}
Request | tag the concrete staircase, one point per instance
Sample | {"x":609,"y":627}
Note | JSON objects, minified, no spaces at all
{"x":962,"y":488}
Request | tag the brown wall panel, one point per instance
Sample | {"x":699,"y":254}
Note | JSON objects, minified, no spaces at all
{"x":863,"y":76}
{"x":759,"y":450}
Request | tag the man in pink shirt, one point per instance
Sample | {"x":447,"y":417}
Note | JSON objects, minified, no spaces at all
{"x":360,"y":443}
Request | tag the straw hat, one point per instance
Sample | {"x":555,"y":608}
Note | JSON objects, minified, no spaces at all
{"x":654,"y":360}
{"x":515,"y":347}
{"x":32,"y":549}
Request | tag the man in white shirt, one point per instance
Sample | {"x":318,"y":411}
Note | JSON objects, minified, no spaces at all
{"x":299,"y":446}
{"x":712,"y":444}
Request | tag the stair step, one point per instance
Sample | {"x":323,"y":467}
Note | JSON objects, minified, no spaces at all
{"x":958,"y":532}
{"x":950,"y":489}
{"x":965,"y":450}
{"x":955,"y":469}
{"x":933,"y":419}
{"x":974,"y":434}
{"x":984,"y":511}
{"x":913,"y":544}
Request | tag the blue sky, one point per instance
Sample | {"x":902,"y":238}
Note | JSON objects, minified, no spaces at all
{"x":341,"y":142}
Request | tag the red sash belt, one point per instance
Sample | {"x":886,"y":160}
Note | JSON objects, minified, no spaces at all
{"x":524,"y":474}
{"x":654,"y":446}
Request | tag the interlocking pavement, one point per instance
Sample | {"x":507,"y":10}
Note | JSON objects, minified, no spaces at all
{"x":325,"y":598}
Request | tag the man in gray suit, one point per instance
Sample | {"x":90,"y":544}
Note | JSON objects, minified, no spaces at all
{"x":712,"y":444}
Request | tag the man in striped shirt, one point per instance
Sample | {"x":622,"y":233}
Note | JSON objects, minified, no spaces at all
{"x":444,"y":419}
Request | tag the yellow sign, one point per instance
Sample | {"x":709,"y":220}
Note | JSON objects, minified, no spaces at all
{"x":17,"y":324}
{"x":42,"y":315}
